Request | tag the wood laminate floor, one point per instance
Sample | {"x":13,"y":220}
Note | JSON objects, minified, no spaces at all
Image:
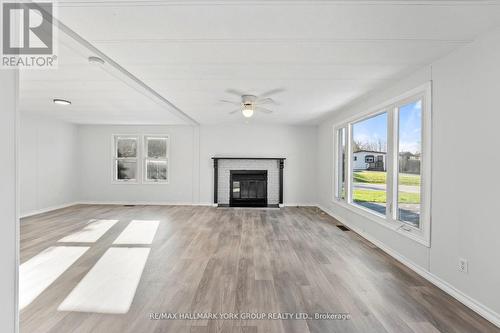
{"x":209,"y":260}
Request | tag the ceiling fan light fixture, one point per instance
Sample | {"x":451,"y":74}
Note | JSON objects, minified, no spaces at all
{"x":247,"y":111}
{"x":61,"y":101}
{"x":96,"y":60}
{"x":251,"y":103}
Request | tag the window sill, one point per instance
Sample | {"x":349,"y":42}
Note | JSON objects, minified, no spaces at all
{"x":401,"y":228}
{"x":117,"y":182}
{"x":155,"y":183}
{"x":124,"y":182}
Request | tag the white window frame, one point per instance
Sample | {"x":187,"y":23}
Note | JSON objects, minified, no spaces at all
{"x":115,"y":159}
{"x":146,"y":158}
{"x":338,"y":163}
{"x":423,"y":233}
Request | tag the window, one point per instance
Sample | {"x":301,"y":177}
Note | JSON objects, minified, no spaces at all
{"x":125,"y":158}
{"x":369,"y":179}
{"x":409,"y":168}
{"x":156,"y":159}
{"x":387,"y":178}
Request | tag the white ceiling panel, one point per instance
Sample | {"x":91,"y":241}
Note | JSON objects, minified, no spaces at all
{"x":278,"y":52}
{"x":323,"y":54}
{"x":237,"y":20}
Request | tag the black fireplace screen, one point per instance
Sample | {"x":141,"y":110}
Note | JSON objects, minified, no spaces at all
{"x":248,"y":188}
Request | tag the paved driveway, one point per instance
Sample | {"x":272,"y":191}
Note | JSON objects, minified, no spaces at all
{"x":382,"y":187}
{"x":407,"y":212}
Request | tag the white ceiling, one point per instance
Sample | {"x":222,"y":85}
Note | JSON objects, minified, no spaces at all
{"x":324,"y":54}
{"x":96,"y":96}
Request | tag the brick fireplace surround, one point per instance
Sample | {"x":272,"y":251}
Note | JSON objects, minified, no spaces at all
{"x":224,"y":165}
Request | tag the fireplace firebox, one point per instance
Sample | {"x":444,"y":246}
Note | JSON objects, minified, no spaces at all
{"x":248,"y":188}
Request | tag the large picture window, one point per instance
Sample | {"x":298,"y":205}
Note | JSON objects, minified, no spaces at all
{"x":156,"y":159}
{"x":125,"y":158}
{"x":383,"y":164}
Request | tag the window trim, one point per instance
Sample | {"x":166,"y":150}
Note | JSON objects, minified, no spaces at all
{"x":114,"y":159}
{"x":421,"y":235}
{"x":338,"y":162}
{"x":145,"y":159}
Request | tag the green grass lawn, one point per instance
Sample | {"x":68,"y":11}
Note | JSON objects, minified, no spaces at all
{"x":380,"y":196}
{"x":377,"y":177}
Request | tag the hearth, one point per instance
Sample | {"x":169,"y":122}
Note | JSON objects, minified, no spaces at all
{"x":248,"y":188}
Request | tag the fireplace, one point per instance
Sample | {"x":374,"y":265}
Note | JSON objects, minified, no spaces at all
{"x":248,"y":188}
{"x":259,"y":181}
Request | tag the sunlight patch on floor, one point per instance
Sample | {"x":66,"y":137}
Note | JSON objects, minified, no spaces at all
{"x":94,"y":230}
{"x":138,"y":232}
{"x":36,"y":274}
{"x":110,"y":286}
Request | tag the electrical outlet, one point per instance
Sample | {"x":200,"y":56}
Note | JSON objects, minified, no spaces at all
{"x":463,"y":266}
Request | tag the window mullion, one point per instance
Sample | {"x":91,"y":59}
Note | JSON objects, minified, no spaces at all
{"x":348,"y":175}
{"x":336,"y":164}
{"x":425,"y":188}
{"x":392,"y":163}
{"x":339,"y":185}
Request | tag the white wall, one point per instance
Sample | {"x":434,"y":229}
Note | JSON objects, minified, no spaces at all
{"x":95,"y":147}
{"x":191,"y":167}
{"x":48,"y":163}
{"x":465,"y":196}
{"x":8,"y":200}
{"x":465,"y":220}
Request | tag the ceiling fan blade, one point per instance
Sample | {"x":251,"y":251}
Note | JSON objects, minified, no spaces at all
{"x":235,"y":92}
{"x":234,"y":111}
{"x":271,"y":92}
{"x":230,"y":102}
{"x":261,"y":109}
{"x":265,"y":101}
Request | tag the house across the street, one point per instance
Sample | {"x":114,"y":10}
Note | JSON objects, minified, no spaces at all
{"x":409,"y":163}
{"x":369,"y":160}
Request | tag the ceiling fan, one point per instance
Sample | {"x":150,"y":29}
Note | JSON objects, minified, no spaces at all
{"x":250,"y":103}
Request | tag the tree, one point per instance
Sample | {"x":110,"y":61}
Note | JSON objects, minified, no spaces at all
{"x":378,"y":145}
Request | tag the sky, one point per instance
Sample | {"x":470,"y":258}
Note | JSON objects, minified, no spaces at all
{"x":410,"y":128}
{"x":371,"y":130}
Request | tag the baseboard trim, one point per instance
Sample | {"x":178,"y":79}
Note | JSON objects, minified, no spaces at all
{"x":291,"y":204}
{"x":121,"y":203}
{"x":47,"y":209}
{"x":168,"y":203}
{"x":466,"y":300}
{"x":144,"y":203}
